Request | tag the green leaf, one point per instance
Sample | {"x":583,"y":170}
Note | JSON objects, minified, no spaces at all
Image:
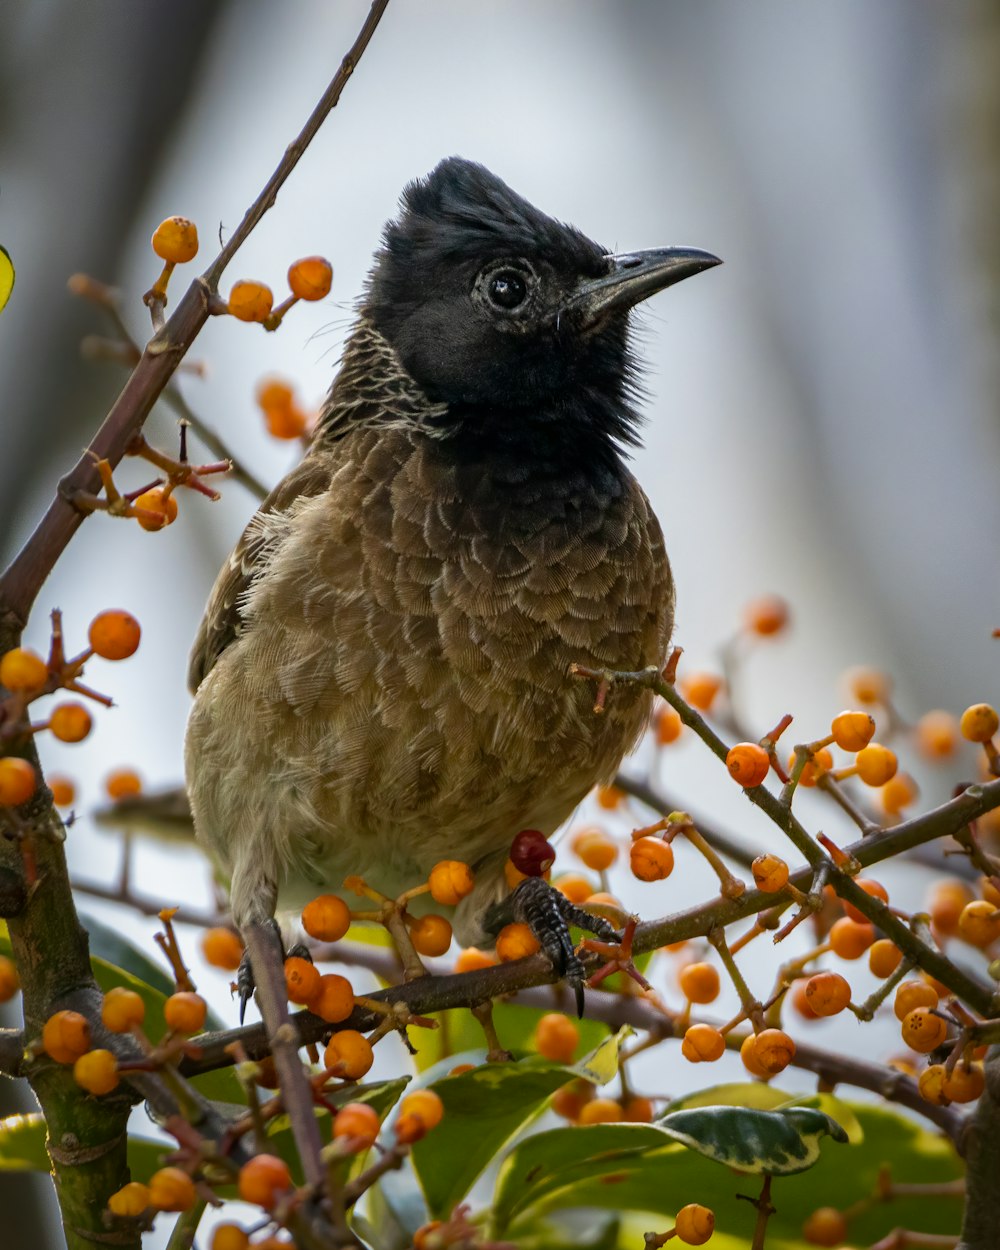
{"x":780,"y":1143}
{"x":6,"y":277}
{"x":22,"y":1144}
{"x":485,"y":1109}
{"x":113,"y":948}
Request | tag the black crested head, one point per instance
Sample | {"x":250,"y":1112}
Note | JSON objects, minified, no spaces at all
{"x":508,"y":316}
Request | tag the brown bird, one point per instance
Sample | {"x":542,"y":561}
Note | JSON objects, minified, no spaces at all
{"x":381,"y":676}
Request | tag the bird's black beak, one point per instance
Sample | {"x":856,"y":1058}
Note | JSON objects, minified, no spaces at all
{"x":634,"y":276}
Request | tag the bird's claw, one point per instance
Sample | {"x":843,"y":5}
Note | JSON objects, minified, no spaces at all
{"x":245,"y":981}
{"x":548,"y":913}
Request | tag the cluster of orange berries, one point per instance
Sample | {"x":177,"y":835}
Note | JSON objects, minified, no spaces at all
{"x":283,"y":416}
{"x":113,"y":635}
{"x":308,"y":279}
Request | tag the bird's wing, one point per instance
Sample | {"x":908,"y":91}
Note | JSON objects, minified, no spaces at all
{"x":223,"y":614}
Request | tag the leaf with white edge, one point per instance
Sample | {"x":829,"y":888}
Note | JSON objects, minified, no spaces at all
{"x":779,"y":1143}
{"x":766,"y":1098}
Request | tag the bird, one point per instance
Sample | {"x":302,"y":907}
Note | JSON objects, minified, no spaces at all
{"x":381,"y":676}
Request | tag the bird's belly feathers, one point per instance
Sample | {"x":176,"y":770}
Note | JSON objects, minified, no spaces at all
{"x":403,"y":678}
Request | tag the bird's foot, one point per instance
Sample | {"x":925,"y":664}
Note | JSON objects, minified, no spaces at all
{"x":245,"y":981}
{"x":548,"y":914}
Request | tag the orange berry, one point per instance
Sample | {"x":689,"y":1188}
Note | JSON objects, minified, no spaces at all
{"x":21,"y":669}
{"x":515,"y":941}
{"x":703,"y":1044}
{"x":822,"y":761}
{"x":849,"y":939}
{"x":601,"y":898}
{"x":171,"y":1189}
{"x":274,"y":393}
{"x":766,"y":615}
{"x":70,"y":722}
{"x":263,"y":1179}
{"x":286,"y":423}
{"x":668,"y":726}
{"x":158,"y":509}
{"x":979,"y":722}
{"x":700,"y":689}
{"x":595,"y":848}
{"x":963,"y":1084}
{"x":773,"y":1050}
{"x":852,"y":731}
{"x":748,"y":1053}
{"x":122,"y":1009}
{"x":946,"y":903}
{"x":450,"y":881}
{"x":609,"y":797}
{"x":129,"y":1201}
{"x":176,"y":240}
{"x":185,"y":1012}
{"x":876,"y":764}
{"x":114,"y":634}
{"x":574,"y":887}
{"x":930,"y":1085}
{"x":460,"y":1069}
{"x":301,"y":980}
{"x":334,"y":1000}
{"x":424,"y":1239}
{"x":358,"y":1120}
{"x":748,"y":763}
{"x":868,"y":685}
{"x":96,"y":1072}
{"x":66,"y":1036}
{"x":800,"y":1001}
{"x":10,"y":982}
{"x":250,"y":301}
{"x":229,"y":1237}
{"x":431,"y":935}
{"x":570,"y":1100}
{"x":979,"y":923}
{"x":913,"y":994}
{"x":419,"y":1112}
{"x":699,"y":982}
{"x":989,"y":891}
{"x":937,"y":734}
{"x":638,"y":1110}
{"x":557,"y":1037}
{"x":827,"y":993}
{"x":601,"y":1111}
{"x":17,"y":781}
{"x":474,"y":960}
{"x":651,"y":859}
{"x":694,"y":1224}
{"x":898,"y":793}
{"x":310,"y":278}
{"x":884,"y":958}
{"x":770,"y":873}
{"x":327,"y":918}
{"x":873,"y":889}
{"x":923,"y":1031}
{"x":349,"y":1054}
{"x":222,"y":948}
{"x":825,"y":1227}
{"x":122,"y":784}
{"x":63,"y":791}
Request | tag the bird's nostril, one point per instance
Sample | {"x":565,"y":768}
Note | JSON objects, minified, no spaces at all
{"x":633,"y":262}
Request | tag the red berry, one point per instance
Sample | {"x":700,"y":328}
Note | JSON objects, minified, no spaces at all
{"x":532,"y":853}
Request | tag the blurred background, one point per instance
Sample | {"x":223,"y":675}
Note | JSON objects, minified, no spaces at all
{"x":822,"y":411}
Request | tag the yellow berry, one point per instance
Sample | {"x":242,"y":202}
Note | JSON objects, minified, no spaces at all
{"x":770,"y":873}
{"x":850,"y":939}
{"x":774,"y":1050}
{"x":930,"y":1085}
{"x":965,"y":1084}
{"x":946,"y":902}
{"x":357,"y":1120}
{"x":694,"y":1224}
{"x":222,"y":948}
{"x":868,"y":685}
{"x":852,"y":731}
{"x":638,"y":1110}
{"x":822,"y":761}
{"x":570,"y":1100}
{"x":185,"y":1012}
{"x":937,"y":734}
{"x":114,"y":634}
{"x":748,"y":1053}
{"x":874,"y":889}
{"x":10,"y":982}
{"x":274,"y":393}
{"x":515,"y":941}
{"x":286,"y":423}
{"x":474,"y":960}
{"x":979,"y":923}
{"x":327,"y":918}
{"x":913,"y":994}
{"x":450,"y":881}
{"x":703,"y":1044}
{"x":700,"y":690}
{"x":884,"y":957}
{"x":66,"y":1036}
{"x":699,"y":982}
{"x":825,"y":1227}
{"x":334,"y":1001}
{"x":229,"y":1237}
{"x":156,"y":508}
{"x":748,"y":764}
{"x":301,"y":980}
{"x":595,"y":848}
{"x":766,"y":615}
{"x":310,"y":278}
{"x":23,"y":670}
{"x":668,"y":726}
{"x":18,"y":781}
{"x":601,"y":1111}
{"x":651,"y":859}
{"x":898,"y":793}
{"x":349,"y":1054}
{"x":129,"y":1201}
{"x":609,"y":797}
{"x":250,"y":301}
{"x":979,"y":723}
{"x":122,"y":784}
{"x":876,"y":764}
{"x":419,"y":1112}
{"x":63,"y":791}
{"x":827,"y":993}
{"x":574,"y":887}
{"x":263,"y":1180}
{"x":171,"y":1189}
{"x":557,"y":1037}
{"x":122,"y":1009}
{"x":176,"y":240}
{"x":96,"y":1072}
{"x":431,"y":935}
{"x":923,"y":1031}
{"x":70,"y":722}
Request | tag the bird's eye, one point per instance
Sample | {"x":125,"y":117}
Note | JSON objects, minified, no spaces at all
{"x":506,"y":288}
